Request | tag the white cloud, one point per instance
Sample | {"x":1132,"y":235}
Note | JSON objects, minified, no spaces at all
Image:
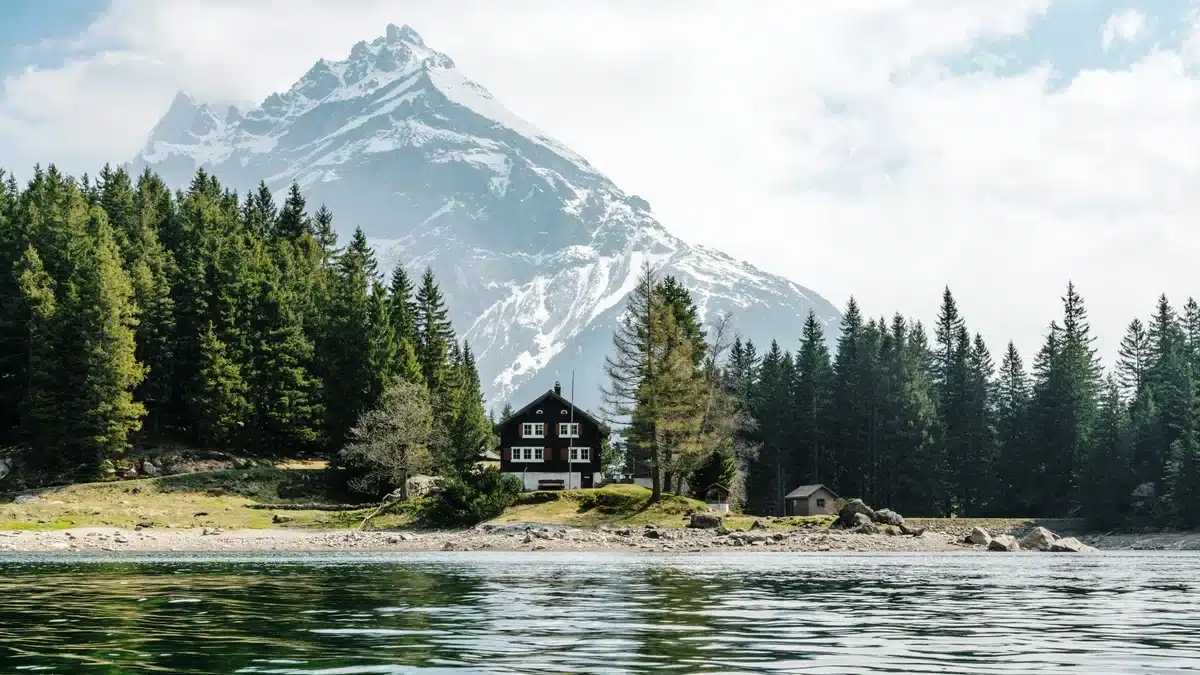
{"x":1127,"y":26}
{"x":822,"y":141}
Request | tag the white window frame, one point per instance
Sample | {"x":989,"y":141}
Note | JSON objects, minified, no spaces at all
{"x":568,"y":426}
{"x":580,"y":455}
{"x":528,"y":455}
{"x":533,"y":430}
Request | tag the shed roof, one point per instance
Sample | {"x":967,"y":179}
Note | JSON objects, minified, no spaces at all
{"x":718,"y":487}
{"x":806,"y":491}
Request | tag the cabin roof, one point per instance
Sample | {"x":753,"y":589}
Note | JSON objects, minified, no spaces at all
{"x":550,"y":394}
{"x":718,"y":487}
{"x":806,"y":491}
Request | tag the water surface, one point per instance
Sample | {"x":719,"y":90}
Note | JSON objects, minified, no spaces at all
{"x":601,"y":613}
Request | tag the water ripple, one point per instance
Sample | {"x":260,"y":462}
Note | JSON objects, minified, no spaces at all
{"x":602,"y":614}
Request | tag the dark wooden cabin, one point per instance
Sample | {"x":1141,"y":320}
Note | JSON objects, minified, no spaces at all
{"x":550,"y":444}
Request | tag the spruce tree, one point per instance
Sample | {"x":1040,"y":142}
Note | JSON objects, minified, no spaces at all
{"x":218,"y":406}
{"x":1133,"y":359}
{"x":40,"y":413}
{"x":292,"y":223}
{"x":434,"y":334}
{"x":813,"y":390}
{"x":347,"y":366}
{"x":1106,"y":478}
{"x":101,"y":305}
{"x":1016,"y":453}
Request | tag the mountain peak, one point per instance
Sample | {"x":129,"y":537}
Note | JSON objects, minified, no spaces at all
{"x":405,"y":33}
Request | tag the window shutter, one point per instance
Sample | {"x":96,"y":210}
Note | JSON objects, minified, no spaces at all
{"x":507,"y":454}
{"x":566,"y":454}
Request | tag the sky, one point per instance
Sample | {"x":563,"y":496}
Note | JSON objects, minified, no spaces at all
{"x":877,"y":148}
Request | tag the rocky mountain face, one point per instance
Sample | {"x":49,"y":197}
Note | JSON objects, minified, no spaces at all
{"x":535,"y":249}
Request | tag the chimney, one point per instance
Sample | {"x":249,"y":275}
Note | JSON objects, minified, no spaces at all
{"x":557,"y":389}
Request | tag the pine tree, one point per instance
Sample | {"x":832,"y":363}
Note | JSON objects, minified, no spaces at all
{"x":1133,"y":359}
{"x":813,"y":391}
{"x":1183,"y":474}
{"x":292,"y":223}
{"x":103,"y":312}
{"x":403,"y":316}
{"x":40,"y":414}
{"x":978,"y":482}
{"x":769,"y":476}
{"x":1106,"y":479}
{"x":285,"y":397}
{"x":469,"y":433}
{"x":1016,"y":452}
{"x":326,"y":237}
{"x":435,"y":335}
{"x":347,"y":367}
{"x":218,"y":405}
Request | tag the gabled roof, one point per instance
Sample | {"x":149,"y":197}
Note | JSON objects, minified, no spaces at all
{"x":579,"y":412}
{"x":717,"y":486}
{"x":806,"y":491}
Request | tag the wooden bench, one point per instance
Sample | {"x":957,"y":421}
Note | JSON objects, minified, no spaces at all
{"x":551,"y":484}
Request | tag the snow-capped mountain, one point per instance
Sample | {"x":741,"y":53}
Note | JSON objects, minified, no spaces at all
{"x":535,"y":249}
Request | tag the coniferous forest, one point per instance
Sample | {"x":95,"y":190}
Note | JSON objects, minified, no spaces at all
{"x":925,"y":425}
{"x":134,"y":315}
{"x":131,"y":315}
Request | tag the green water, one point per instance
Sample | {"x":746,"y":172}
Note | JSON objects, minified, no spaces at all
{"x":616,"y":613}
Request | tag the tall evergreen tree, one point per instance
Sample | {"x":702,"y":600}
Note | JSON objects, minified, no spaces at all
{"x":1105,"y":480}
{"x":435,"y":335}
{"x":352,"y":383}
{"x":1016,"y":450}
{"x":813,"y":391}
{"x":1133,"y":359}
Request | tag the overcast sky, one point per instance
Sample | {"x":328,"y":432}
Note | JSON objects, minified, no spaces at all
{"x":881,"y":148}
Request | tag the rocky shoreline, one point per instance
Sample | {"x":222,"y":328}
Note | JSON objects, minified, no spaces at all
{"x":529,"y":537}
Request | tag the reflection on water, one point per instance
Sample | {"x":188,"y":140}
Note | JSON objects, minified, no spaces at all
{"x":550,"y":613}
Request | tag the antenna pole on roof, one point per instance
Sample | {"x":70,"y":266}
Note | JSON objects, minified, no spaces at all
{"x":571,"y":433}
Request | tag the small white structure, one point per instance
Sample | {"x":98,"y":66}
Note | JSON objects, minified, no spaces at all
{"x":717,"y":497}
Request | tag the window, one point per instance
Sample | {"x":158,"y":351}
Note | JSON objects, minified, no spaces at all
{"x":539,"y":412}
{"x":568,"y":429}
{"x":562,"y":412}
{"x":533,"y":430}
{"x":820,"y":503}
{"x":528,"y":454}
{"x":581,"y":454}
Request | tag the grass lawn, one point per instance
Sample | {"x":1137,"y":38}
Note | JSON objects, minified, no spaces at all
{"x":622,"y":505}
{"x":206,"y":499}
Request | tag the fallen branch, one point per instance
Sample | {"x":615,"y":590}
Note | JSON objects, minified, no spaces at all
{"x":307,"y":507}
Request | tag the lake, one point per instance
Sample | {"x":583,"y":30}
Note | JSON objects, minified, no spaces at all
{"x":601,"y":613}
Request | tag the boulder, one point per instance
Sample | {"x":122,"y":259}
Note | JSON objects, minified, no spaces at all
{"x":1071,"y":545}
{"x":705,"y":521}
{"x":25,"y":499}
{"x":6,"y":467}
{"x":280,"y":519}
{"x":866,"y":528}
{"x":911,"y":531}
{"x":758,"y":525}
{"x":854,"y":507}
{"x":862,"y":520}
{"x":1004,"y":543}
{"x":979,"y":537}
{"x":888,"y":517}
{"x":149,"y":468}
{"x":1039,"y":539}
{"x":652,"y":534}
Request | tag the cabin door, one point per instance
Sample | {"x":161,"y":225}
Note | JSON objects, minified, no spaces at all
{"x":585,"y":480}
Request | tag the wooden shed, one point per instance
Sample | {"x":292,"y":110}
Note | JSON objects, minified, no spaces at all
{"x":810,"y":500}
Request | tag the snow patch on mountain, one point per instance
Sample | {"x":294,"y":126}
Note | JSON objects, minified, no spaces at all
{"x":535,"y":249}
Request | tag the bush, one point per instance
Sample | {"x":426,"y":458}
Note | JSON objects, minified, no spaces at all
{"x":472,"y":499}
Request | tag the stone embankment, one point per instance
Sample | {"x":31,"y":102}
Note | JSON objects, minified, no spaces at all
{"x":484,"y":538}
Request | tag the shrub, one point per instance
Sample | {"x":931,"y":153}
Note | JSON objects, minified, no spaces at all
{"x":472,"y":499}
